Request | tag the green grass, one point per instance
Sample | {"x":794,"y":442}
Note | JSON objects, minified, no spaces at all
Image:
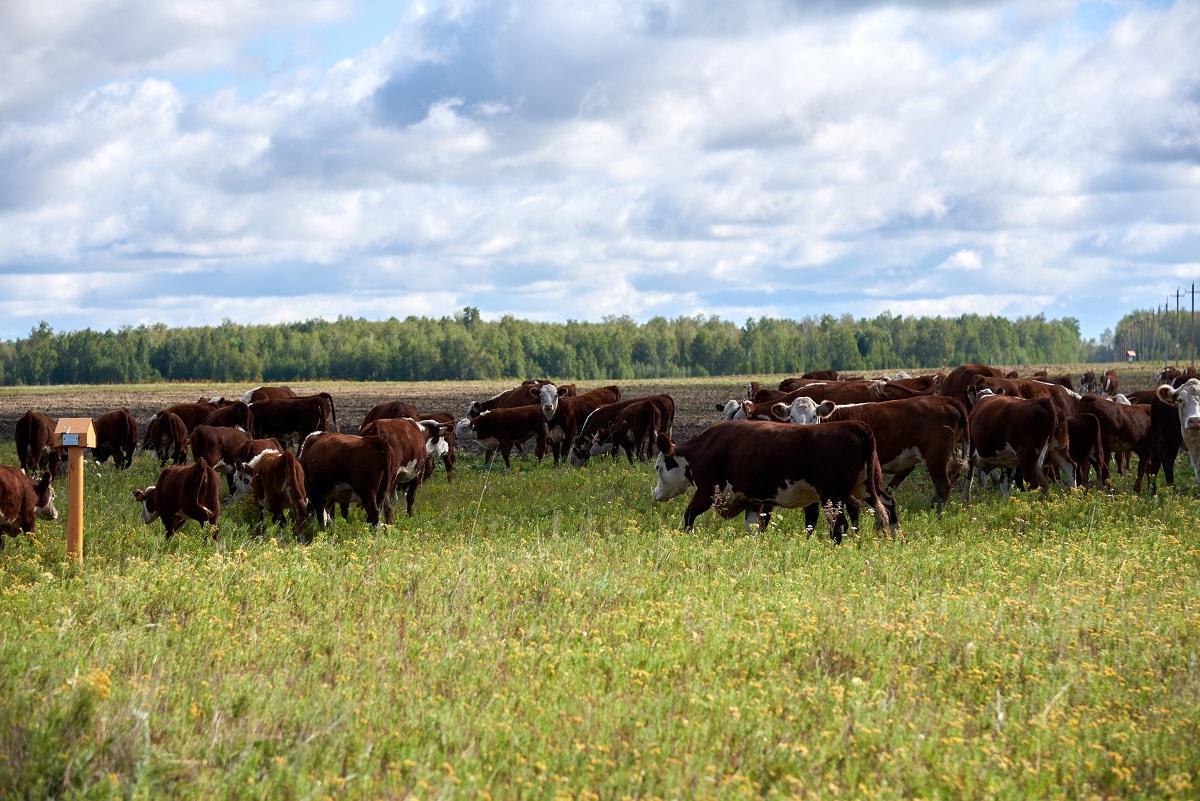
{"x":546,"y":634}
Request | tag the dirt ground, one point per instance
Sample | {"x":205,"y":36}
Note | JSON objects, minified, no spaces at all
{"x":695,"y":398}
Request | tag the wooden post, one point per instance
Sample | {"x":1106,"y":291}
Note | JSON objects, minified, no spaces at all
{"x":75,"y":434}
{"x":75,"y":505}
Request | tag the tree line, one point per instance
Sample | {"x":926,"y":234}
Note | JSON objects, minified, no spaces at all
{"x":465,"y":346}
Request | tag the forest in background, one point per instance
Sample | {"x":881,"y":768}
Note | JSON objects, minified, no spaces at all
{"x":467,"y":347}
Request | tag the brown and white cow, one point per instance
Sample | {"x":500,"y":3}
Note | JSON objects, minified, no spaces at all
{"x":294,"y":417}
{"x":596,"y":434}
{"x":252,"y":396}
{"x":751,"y":467}
{"x":345,"y":468}
{"x":1186,"y":400}
{"x":926,"y":429}
{"x":36,"y":450}
{"x":116,"y":437}
{"x":565,"y":414}
{"x":389,"y":410}
{"x":503,"y":428}
{"x":512,"y":398}
{"x":413,"y":443}
{"x":182,"y":492}
{"x":1110,"y":384}
{"x":1009,"y":432}
{"x":1124,"y":430}
{"x":22,"y":501}
{"x":276,"y":481}
{"x":446,"y":446}
{"x":1089,"y":384}
{"x":167,"y":436}
{"x":219,"y":447}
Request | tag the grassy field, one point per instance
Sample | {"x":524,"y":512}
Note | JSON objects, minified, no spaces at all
{"x":552,"y":634}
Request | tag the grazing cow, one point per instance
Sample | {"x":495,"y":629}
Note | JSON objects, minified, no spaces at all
{"x":1123,"y":430}
{"x":179,"y":493}
{"x":636,"y":426}
{"x":511,"y":398}
{"x":389,"y":410}
{"x":167,"y":436}
{"x":1186,"y":400}
{"x":1162,"y":448}
{"x":219,"y":447}
{"x":503,"y":428}
{"x":413,"y":443}
{"x":565,"y":413}
{"x":116,"y":436}
{"x":22,"y":500}
{"x":907,"y":432}
{"x":36,"y":450}
{"x":957,"y":382}
{"x":1008,"y":432}
{"x":341,"y":468}
{"x":751,"y":467}
{"x":253,"y":448}
{"x":1089,"y":384}
{"x":298,"y":417}
{"x":252,"y":396}
{"x":235,"y":414}
{"x":596,"y":434}
{"x":276,"y":480}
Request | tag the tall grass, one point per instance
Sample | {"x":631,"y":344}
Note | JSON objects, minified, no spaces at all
{"x":552,"y":634}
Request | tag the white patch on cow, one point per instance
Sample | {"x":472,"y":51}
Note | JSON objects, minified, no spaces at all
{"x":463,"y":428}
{"x":548,"y":398}
{"x":47,"y":512}
{"x":304,"y":444}
{"x":909,"y":457}
{"x":407,"y":472}
{"x":216,"y":401}
{"x":733,"y":411}
{"x":673,"y":482}
{"x":248,"y":394}
{"x":796,"y":493}
{"x":556,"y":434}
{"x":806,"y":411}
{"x":253,"y":463}
{"x":901,"y":376}
{"x":242,"y":482}
{"x":148,"y":516}
{"x":1121,"y":399}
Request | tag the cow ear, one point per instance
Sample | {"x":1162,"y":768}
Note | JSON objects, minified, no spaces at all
{"x":665,"y":446}
{"x":826,"y":408}
{"x":1166,"y":393}
{"x":720,"y":407}
{"x":747,"y":409}
{"x":535,"y":390}
{"x":781,"y":411}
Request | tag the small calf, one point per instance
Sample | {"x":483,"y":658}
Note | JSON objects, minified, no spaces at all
{"x":181,"y":492}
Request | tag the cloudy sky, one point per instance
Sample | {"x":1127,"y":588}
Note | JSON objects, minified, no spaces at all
{"x":270,"y":160}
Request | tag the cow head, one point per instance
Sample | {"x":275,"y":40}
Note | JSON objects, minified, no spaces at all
{"x":148,"y":498}
{"x":43,"y":505}
{"x":1186,"y":399}
{"x":435,"y":437}
{"x":730,"y":410}
{"x":1121,"y":399}
{"x":465,"y":426}
{"x":674,"y":476}
{"x":583,"y":449}
{"x":804,"y":411}
{"x":548,"y":395}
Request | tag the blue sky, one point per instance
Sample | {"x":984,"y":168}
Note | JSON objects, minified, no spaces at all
{"x":271,"y":160}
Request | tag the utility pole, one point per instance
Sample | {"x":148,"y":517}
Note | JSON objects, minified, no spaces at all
{"x":1193,"y":325}
{"x":1175,"y":338}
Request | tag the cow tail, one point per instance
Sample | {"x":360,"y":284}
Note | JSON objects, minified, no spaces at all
{"x":203,"y":465}
{"x":964,"y":430}
{"x":332,"y":409}
{"x":875,"y":487}
{"x":299,"y":498}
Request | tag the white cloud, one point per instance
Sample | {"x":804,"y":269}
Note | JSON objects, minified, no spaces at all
{"x":580,"y":160}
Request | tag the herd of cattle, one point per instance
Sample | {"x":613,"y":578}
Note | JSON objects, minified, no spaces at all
{"x":764,"y":453}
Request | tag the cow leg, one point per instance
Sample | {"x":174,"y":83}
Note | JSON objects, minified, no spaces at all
{"x":448,"y":463}
{"x":505,"y":451}
{"x":700,"y":503}
{"x":410,"y":494}
{"x":903,"y":474}
{"x":488,"y":456}
{"x":1068,"y":466}
{"x":811,"y":513}
{"x":628,"y":446}
{"x":371,"y":507}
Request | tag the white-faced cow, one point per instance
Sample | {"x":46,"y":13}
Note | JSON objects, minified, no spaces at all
{"x":36,"y":450}
{"x":597,"y":433}
{"x":1186,"y":400}
{"x":180,"y":493}
{"x":565,"y":414}
{"x":413,"y":443}
{"x":928,"y":429}
{"x":276,"y":481}
{"x":22,"y":501}
{"x":116,"y":437}
{"x":751,"y":467}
